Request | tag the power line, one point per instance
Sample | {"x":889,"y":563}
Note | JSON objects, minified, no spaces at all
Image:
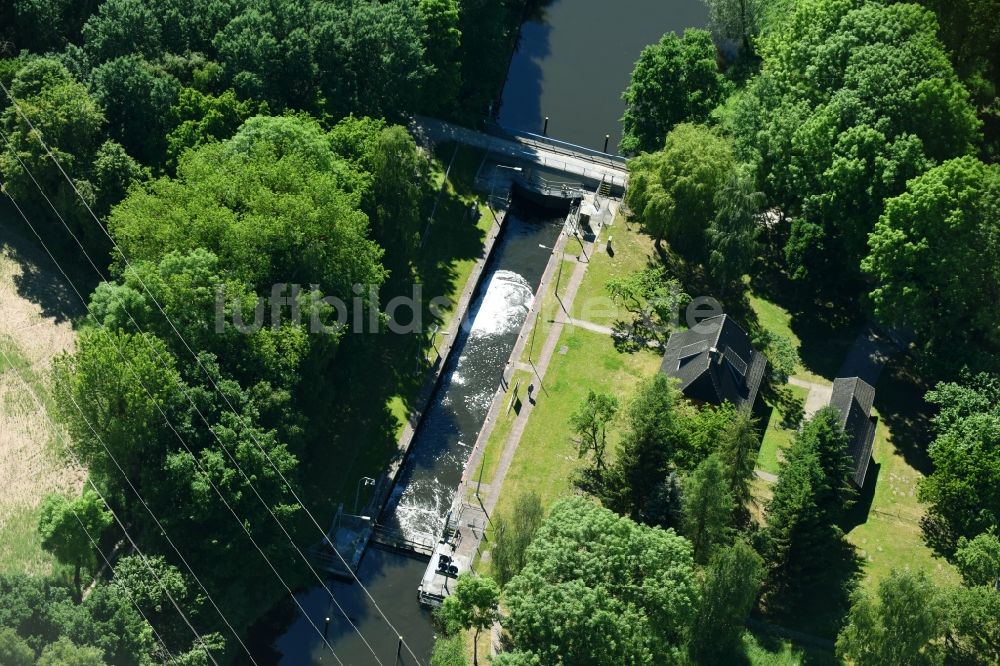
{"x":115,"y":460}
{"x":202,"y":367}
{"x":207,"y":424}
{"x":194,"y":458}
{"x":114,"y":515}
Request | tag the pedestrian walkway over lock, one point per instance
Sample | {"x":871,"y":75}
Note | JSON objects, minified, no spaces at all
{"x":584,"y":164}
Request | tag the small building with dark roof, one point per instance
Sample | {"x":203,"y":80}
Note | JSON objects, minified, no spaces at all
{"x":853,"y":398}
{"x":714,"y":362}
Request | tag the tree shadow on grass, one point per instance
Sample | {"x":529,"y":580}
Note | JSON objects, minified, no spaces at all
{"x":40,"y":280}
{"x":825,"y":323}
{"x":899,"y":399}
{"x":858,"y":513}
{"x":819,"y":605}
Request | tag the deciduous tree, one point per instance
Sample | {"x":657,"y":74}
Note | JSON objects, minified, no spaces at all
{"x":855,"y":98}
{"x":590,"y":423}
{"x":676,"y":80}
{"x":962,"y":489}
{"x":473,"y":605}
{"x":513,"y":533}
{"x":933,"y":242}
{"x":600,"y":589}
{"x":69,"y":121}
{"x":897,"y":626}
{"x":733,"y":234}
{"x":198,"y":118}
{"x":441,"y":40}
{"x":121,"y":28}
{"x":673,"y":191}
{"x":739,"y":21}
{"x":136,"y":97}
{"x":65,"y":653}
{"x":14,"y":650}
{"x":70,"y":528}
{"x":294,"y":218}
{"x":978,"y":560}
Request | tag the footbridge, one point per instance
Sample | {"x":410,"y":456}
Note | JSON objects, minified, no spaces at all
{"x":591,"y":167}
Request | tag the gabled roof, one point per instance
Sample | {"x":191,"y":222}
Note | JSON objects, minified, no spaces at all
{"x":853,"y":398}
{"x":715,"y":362}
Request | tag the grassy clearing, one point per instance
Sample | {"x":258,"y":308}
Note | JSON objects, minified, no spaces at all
{"x":776,"y":319}
{"x":761,"y":650}
{"x":29,"y":464}
{"x":776,"y":437}
{"x":20,"y":547}
{"x":501,"y":429}
{"x":633,"y":251}
{"x":35,"y":326}
{"x":546,"y":314}
{"x":547,"y":457}
{"x":890,"y":536}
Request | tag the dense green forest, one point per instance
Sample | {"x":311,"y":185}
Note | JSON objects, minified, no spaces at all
{"x":173,"y":148}
{"x":221,"y":144}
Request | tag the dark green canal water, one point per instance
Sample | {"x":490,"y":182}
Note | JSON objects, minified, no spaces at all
{"x":573,"y":65}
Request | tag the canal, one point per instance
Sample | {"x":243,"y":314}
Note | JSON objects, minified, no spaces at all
{"x":574,"y":63}
{"x":572,"y":66}
{"x":434,"y":467}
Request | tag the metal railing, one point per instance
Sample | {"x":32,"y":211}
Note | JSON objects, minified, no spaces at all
{"x":555,"y":145}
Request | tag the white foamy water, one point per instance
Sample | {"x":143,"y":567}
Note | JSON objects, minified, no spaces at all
{"x":421,"y":506}
{"x":507,"y":300}
{"x":424,"y":495}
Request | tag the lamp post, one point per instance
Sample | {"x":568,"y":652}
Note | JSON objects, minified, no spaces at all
{"x":493,"y":182}
{"x":435,"y":329}
{"x":558,"y":271}
{"x":368,"y":481}
{"x":583,"y":250}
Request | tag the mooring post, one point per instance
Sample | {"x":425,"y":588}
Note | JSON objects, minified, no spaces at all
{"x":545,"y":127}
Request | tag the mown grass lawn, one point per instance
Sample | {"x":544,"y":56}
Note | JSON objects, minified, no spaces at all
{"x":777,"y":438}
{"x":547,"y":456}
{"x":546,"y":315}
{"x":890,"y":536}
{"x":511,"y":407}
{"x":633,"y":251}
{"x":776,"y":319}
